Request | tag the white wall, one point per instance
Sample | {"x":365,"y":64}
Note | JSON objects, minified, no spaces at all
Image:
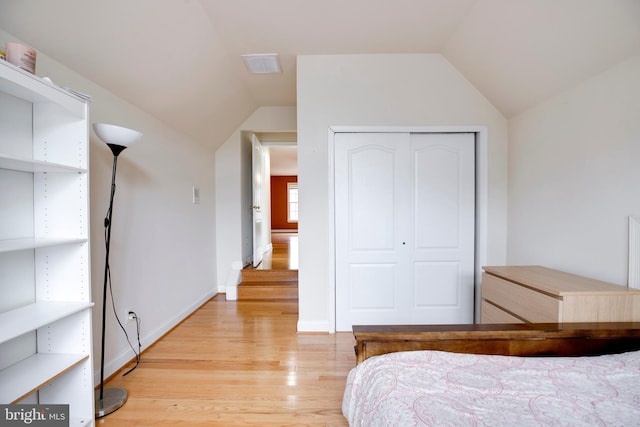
{"x":162,"y":245}
{"x":574,"y":176}
{"x":380,"y":90}
{"x":233,"y":190}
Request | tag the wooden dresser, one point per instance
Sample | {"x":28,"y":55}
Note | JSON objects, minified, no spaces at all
{"x":535,"y":294}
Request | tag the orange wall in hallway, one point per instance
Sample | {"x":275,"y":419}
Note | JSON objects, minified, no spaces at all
{"x":279,"y":203}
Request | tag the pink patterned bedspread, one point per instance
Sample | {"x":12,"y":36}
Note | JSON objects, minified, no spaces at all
{"x":433,"y":388}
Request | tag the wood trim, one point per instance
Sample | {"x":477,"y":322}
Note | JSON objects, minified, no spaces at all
{"x":528,"y":339}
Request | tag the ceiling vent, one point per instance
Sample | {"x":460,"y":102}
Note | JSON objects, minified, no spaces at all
{"x":262,"y":63}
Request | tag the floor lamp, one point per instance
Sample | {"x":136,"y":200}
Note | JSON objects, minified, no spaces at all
{"x":117,"y":138}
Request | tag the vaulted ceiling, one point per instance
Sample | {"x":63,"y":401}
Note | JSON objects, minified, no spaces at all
{"x":179,"y":60}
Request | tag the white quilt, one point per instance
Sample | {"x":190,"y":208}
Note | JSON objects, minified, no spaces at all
{"x":433,"y":388}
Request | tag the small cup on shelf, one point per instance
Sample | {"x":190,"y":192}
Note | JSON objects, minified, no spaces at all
{"x":21,"y":56}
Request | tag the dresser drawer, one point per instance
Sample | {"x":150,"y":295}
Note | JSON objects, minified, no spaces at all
{"x":492,"y":314}
{"x":528,"y":304}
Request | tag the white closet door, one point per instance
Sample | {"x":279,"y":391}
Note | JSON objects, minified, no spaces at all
{"x":400,"y":230}
{"x":372,"y":259}
{"x":443,"y":225}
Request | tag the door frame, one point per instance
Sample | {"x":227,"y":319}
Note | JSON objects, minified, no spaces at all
{"x":481,"y":206}
{"x":258,"y":197}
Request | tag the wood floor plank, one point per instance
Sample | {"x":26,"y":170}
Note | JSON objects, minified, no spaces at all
{"x":238,"y":363}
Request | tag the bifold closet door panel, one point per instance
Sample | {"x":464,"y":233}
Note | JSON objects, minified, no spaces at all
{"x":404,"y":221}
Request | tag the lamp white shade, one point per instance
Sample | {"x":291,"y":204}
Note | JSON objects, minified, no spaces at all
{"x":116,"y":135}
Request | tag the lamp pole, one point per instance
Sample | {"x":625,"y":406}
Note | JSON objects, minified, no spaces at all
{"x":108,"y":400}
{"x":116,"y":397}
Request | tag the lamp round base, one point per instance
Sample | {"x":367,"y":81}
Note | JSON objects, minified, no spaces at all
{"x":112,"y":399}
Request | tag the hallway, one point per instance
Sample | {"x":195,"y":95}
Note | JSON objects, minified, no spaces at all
{"x":284,"y":255}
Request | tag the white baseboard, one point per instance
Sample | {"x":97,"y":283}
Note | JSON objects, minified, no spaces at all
{"x":304,"y":326}
{"x":233,"y":280}
{"x":146,"y":339}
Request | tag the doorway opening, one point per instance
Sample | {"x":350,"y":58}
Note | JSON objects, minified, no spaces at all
{"x":271,"y":266}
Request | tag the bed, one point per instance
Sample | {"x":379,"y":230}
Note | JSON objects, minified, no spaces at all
{"x":497,"y":375}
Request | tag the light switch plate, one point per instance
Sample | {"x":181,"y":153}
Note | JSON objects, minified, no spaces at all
{"x":196,"y":195}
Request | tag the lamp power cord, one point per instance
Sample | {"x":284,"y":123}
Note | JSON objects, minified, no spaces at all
{"x":137,"y":353}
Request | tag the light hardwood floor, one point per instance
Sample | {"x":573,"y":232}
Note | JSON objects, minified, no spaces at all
{"x":284,"y":255}
{"x":238,"y":363}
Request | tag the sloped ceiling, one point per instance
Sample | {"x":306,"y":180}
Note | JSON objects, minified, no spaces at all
{"x":180,"y":60}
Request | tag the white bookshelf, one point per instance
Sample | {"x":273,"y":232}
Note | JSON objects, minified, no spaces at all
{"x":45,"y":291}
{"x":27,"y":165}
{"x":12,"y":245}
